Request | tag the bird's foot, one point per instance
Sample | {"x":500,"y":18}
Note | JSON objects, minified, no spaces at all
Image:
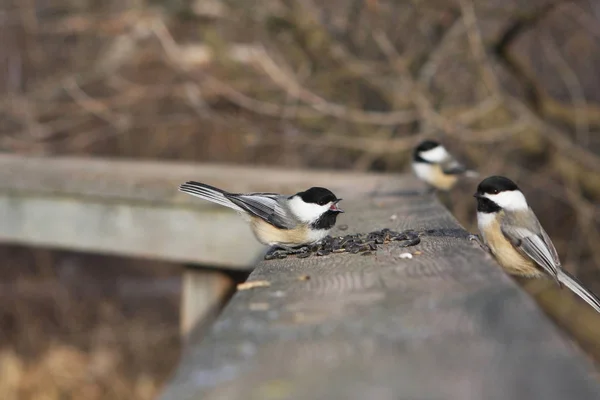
{"x":280,"y":252}
{"x":477,"y":239}
{"x":276,"y":254}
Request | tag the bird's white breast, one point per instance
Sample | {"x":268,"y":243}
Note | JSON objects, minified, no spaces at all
{"x":484,"y":220}
{"x":423,"y":171}
{"x":434,"y":175}
{"x":314,"y":235}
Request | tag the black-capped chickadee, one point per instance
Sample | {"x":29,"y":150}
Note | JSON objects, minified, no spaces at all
{"x":515,"y":237}
{"x":435,"y":166}
{"x":278,"y":220}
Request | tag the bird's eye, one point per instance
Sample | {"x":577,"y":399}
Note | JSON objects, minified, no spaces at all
{"x":322,"y":202}
{"x":495,"y":191}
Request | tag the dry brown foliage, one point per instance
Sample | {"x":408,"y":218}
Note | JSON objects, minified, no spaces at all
{"x":80,"y":326}
{"x":510,"y":85}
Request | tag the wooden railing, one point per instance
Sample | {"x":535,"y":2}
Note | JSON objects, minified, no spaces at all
{"x":441,"y":323}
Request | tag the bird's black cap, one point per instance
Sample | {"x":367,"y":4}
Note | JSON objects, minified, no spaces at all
{"x":427,"y":145}
{"x":495,"y":184}
{"x":318,"y":195}
{"x":424,"y":146}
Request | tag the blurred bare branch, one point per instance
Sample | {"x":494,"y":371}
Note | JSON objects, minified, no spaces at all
{"x":477,"y":48}
{"x":430,"y":67}
{"x":573,"y":86}
{"x":294,"y":89}
{"x":338,"y":84}
{"x":94,"y":106}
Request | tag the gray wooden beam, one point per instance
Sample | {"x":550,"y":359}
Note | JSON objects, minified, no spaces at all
{"x":203,"y":294}
{"x":210,"y":236}
{"x":133,"y":208}
{"x":444,"y":324}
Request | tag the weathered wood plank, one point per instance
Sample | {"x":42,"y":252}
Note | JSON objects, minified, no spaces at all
{"x":133,"y":208}
{"x":154,"y":181}
{"x":167,"y":233}
{"x":446,"y":324}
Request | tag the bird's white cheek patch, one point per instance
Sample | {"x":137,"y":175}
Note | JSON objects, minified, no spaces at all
{"x":306,"y":212}
{"x":435,"y":155}
{"x":509,"y":200}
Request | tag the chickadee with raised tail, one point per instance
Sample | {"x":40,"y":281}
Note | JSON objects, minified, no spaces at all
{"x":278,"y":220}
{"x":516,"y":239}
{"x":435,"y":166}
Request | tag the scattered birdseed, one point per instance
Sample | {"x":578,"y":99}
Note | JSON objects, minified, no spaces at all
{"x":406,"y":255}
{"x":304,"y":278}
{"x":258,"y":306}
{"x":368,"y":242}
{"x":252,"y":285}
{"x":304,"y":254}
{"x":353,"y":243}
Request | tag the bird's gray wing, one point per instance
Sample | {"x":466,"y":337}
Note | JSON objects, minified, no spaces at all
{"x":451,"y":166}
{"x":524,"y":231}
{"x":553,"y":252}
{"x":267,"y":206}
{"x":528,"y":236}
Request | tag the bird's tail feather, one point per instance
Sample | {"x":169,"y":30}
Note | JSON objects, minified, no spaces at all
{"x":572,"y":283}
{"x":209,"y":193}
{"x":471,"y":174}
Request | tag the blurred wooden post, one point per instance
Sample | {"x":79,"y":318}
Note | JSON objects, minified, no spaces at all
{"x":204,"y":293}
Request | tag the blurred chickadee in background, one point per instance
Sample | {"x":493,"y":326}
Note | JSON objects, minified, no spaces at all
{"x":516,"y":239}
{"x":436,"y":167}
{"x":278,"y":220}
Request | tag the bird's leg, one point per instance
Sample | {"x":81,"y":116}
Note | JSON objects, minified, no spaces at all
{"x":478,"y":240}
{"x":295,"y":250}
{"x":284,"y":247}
{"x":276,"y":252}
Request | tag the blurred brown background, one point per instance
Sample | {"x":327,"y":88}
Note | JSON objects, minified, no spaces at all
{"x":510,"y":85}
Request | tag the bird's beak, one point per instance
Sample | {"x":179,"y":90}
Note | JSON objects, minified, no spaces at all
{"x":479,"y":196}
{"x":334,"y":206}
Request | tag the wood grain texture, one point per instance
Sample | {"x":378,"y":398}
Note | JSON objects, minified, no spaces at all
{"x":157,"y":181}
{"x":446,"y":324}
